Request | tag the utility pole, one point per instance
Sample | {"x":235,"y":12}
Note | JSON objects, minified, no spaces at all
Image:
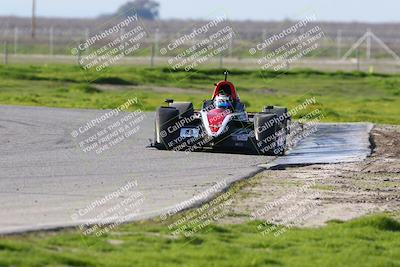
{"x":33,"y":18}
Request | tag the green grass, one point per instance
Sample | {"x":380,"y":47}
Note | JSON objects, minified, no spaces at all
{"x":340,"y":96}
{"x":370,"y":241}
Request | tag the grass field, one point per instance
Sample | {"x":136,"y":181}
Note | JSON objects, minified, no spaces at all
{"x":369,"y":241}
{"x":366,"y":242}
{"x":340,"y":96}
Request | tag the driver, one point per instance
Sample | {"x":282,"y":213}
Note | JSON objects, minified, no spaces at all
{"x":223,"y":101}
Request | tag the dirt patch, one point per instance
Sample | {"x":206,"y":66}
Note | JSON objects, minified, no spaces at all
{"x":315,"y":194}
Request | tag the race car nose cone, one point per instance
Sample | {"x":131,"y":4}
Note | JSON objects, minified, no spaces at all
{"x":216,"y":117}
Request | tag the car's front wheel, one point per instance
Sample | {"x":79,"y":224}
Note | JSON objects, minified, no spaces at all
{"x":165,"y":118}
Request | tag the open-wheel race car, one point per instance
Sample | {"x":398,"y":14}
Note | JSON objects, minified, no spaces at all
{"x":221,"y":124}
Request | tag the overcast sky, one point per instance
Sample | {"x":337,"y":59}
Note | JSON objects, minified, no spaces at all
{"x":328,"y":10}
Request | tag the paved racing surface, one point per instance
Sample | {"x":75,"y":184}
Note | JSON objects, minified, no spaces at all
{"x":48,"y":181}
{"x":330,"y":143}
{"x":45,"y":177}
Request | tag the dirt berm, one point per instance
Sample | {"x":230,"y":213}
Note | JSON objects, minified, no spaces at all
{"x":314,"y":194}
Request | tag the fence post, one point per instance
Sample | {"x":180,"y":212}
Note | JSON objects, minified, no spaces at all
{"x":15,"y":40}
{"x":368,"y":48}
{"x":79,"y":55}
{"x":230,"y":47}
{"x":6,"y":52}
{"x":358,"y":59}
{"x":122,"y":41}
{"x":87,"y":33}
{"x":51,"y":40}
{"x":157,"y":41}
{"x":339,"y":44}
{"x":152,"y":55}
{"x":264,"y":37}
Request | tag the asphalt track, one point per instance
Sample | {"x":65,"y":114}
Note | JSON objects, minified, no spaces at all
{"x":328,"y":143}
{"x":47,"y":180}
{"x":45,"y":177}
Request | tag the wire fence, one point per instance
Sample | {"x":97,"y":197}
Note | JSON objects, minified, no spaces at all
{"x":53,"y":43}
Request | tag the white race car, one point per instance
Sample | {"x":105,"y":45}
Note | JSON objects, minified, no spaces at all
{"x":223,"y":124}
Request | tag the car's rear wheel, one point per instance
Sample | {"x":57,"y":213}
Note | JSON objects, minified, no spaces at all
{"x":265,"y":128}
{"x":270,"y":134}
{"x":282,"y":121}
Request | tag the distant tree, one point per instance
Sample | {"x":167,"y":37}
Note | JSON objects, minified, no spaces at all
{"x":147,"y":9}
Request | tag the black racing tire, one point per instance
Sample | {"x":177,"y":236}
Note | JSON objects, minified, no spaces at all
{"x":185,"y":108}
{"x":283,"y":120}
{"x":265,"y":127}
{"x":279,"y":111}
{"x":165,"y":117}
